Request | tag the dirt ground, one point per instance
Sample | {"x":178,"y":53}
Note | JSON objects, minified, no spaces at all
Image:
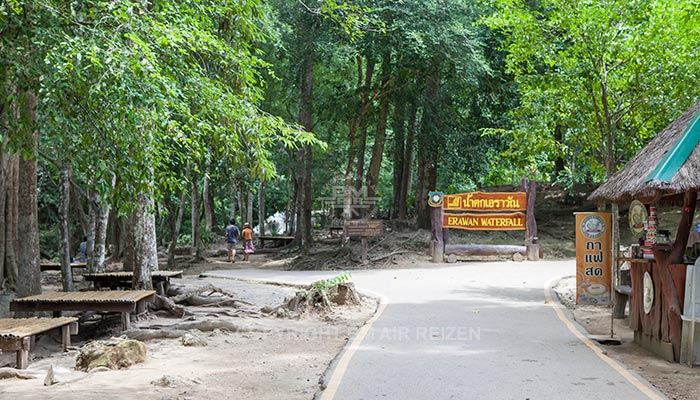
{"x":274,"y":358}
{"x":268,"y":358}
{"x":677,"y":381}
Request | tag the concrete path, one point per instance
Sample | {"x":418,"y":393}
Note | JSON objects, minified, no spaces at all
{"x":468,"y":331}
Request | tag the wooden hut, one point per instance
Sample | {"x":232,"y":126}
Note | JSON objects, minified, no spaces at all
{"x":666,"y":171}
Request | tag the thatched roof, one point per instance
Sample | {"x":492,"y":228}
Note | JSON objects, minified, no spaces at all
{"x":630,"y":182}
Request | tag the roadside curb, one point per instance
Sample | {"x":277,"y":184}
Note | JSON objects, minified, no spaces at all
{"x":331,"y":379}
{"x":565,"y":315}
{"x":332,"y":374}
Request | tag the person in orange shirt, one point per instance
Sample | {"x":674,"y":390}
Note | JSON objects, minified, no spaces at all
{"x":247,"y":234}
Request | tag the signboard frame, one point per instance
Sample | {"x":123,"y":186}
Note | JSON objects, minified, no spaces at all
{"x":594,"y":258}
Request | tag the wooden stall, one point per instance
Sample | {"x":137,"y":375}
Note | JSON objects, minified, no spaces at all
{"x":657,"y":325}
{"x":663,"y":173}
{"x":124,"y":280}
{"x":121,"y":301}
{"x":17,"y":334}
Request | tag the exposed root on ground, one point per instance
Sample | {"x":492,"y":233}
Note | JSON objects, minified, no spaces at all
{"x":207,"y":326}
{"x":7,"y":373}
{"x":320,"y":298}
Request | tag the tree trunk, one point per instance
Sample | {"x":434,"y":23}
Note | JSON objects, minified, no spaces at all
{"x":195,"y":196}
{"x":175,"y":232}
{"x":365,"y":105}
{"x":261,"y":208}
{"x":3,"y":223}
{"x":234,"y":199}
{"x":399,"y":128}
{"x":29,"y":275}
{"x":306,"y":36}
{"x":422,"y":217}
{"x":348,"y":211}
{"x":375,"y":164}
{"x":100,"y":248}
{"x":208,"y":201}
{"x":249,"y":208}
{"x":11,"y":215}
{"x":64,"y":217}
{"x":114,"y":236}
{"x":144,"y":243}
{"x":92,"y":227}
{"x":77,"y":205}
{"x":289,"y":211}
{"x":241,"y":206}
{"x":128,"y":242}
{"x":428,"y":153}
{"x":407,"y":173}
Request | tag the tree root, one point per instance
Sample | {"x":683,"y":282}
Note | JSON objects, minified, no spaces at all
{"x":150,"y":334}
{"x":165,"y":303}
{"x":208,"y":326}
{"x":6,"y":373}
{"x":80,"y":378}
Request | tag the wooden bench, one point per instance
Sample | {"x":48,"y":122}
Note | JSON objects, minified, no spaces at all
{"x":121,"y":301}
{"x":124,"y":280}
{"x":54,"y":266}
{"x":284,"y":240}
{"x":18,"y":334}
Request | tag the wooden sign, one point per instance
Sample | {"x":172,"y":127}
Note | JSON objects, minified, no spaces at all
{"x":364,"y":227}
{"x":593,"y":258}
{"x":484,"y":201}
{"x":492,"y":222}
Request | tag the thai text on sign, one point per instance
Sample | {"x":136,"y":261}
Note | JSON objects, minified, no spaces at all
{"x":593,"y":258}
{"x":484,"y":201}
{"x":364,"y":227}
{"x":496,"y":222}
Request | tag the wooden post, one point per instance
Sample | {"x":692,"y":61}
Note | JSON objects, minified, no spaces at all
{"x":531,"y":241}
{"x":65,"y":333}
{"x":23,"y":353}
{"x":126,"y":321}
{"x":437,"y":243}
{"x":364,"y":251}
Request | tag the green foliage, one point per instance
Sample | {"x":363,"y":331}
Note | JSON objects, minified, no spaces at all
{"x":132,"y":92}
{"x":328,"y":285}
{"x":608,"y":75}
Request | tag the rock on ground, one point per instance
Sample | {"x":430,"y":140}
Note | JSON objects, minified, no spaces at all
{"x":115,"y":353}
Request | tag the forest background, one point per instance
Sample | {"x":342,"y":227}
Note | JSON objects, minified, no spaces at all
{"x":140,"y":124}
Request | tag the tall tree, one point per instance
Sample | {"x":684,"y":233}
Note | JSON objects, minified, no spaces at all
{"x":595,"y":79}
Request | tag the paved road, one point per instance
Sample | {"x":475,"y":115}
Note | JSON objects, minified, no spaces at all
{"x":467,"y":331}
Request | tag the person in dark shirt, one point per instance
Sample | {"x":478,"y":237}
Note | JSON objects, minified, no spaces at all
{"x":232,"y":234}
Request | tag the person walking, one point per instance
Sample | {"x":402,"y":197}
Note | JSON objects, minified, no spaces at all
{"x":247,"y":234}
{"x":232,"y":234}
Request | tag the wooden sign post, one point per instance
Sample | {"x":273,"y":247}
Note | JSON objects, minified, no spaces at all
{"x":485,"y":211}
{"x":364,"y":228}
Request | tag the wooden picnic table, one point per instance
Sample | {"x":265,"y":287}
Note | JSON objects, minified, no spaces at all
{"x":285,"y":240}
{"x":121,"y":301}
{"x":17,"y":334}
{"x":124,"y":279}
{"x":54,"y":266}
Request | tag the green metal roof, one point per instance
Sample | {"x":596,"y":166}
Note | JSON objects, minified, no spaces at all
{"x":679,"y":153}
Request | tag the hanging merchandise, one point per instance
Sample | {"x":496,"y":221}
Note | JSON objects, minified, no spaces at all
{"x":650,"y":226}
